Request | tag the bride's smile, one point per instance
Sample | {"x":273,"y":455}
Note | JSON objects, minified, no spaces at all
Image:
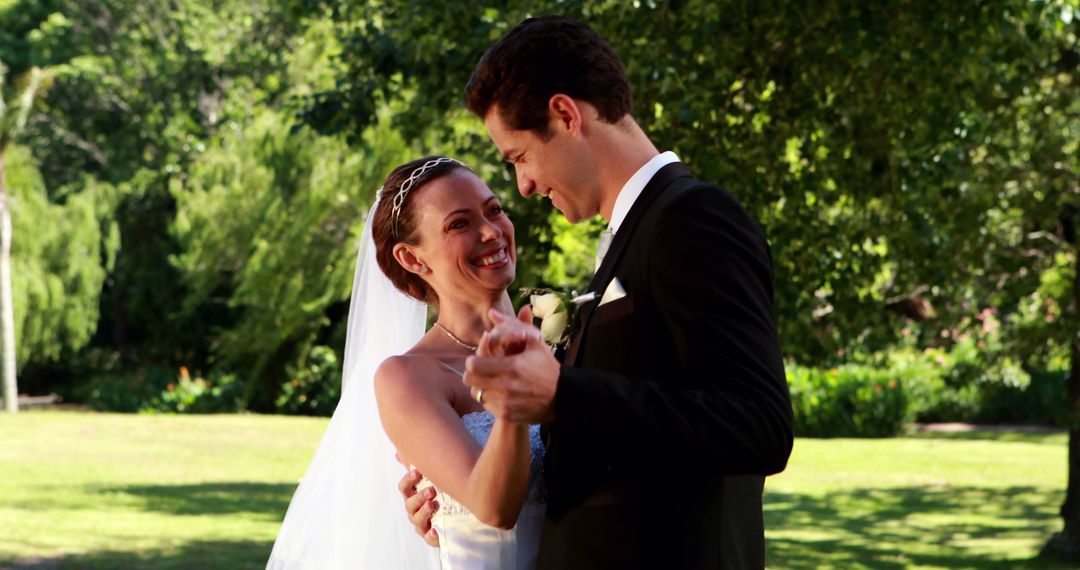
{"x":496,"y":259}
{"x":465,"y":239}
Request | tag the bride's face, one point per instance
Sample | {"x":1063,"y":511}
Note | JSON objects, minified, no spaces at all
{"x":466,"y":240}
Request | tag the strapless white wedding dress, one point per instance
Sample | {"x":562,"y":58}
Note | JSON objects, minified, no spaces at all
{"x":465,"y":543}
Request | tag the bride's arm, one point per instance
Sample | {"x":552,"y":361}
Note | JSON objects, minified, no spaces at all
{"x":491,"y":481}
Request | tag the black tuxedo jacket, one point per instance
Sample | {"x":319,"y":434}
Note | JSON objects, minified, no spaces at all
{"x":672,"y":403}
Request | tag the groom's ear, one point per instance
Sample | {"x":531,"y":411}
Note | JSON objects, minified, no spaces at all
{"x":565,"y":113}
{"x":407,"y":258}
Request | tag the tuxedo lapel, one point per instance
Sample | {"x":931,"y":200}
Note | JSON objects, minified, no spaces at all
{"x":660,"y":180}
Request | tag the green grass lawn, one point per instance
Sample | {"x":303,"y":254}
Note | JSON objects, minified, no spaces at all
{"x":143,"y":491}
{"x":953,"y":501}
{"x":159,"y":492}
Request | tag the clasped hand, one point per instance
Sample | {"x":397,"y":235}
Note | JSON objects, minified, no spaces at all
{"x":515,"y":369}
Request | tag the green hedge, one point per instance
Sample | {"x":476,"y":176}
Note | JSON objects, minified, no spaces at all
{"x":312,"y":388}
{"x":861,"y":400}
{"x":163,"y":390}
{"x":875,"y":399}
{"x":849,"y":401}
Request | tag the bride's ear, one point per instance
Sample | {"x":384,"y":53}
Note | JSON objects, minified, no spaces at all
{"x":407,"y":258}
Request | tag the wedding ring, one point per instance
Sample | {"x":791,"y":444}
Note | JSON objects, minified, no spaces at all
{"x":480,"y":396}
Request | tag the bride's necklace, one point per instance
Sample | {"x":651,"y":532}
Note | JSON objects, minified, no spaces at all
{"x":453,"y":337}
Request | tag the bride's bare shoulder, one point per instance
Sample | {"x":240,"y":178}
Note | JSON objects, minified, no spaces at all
{"x":406,"y":376}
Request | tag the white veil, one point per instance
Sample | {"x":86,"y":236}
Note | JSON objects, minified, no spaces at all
{"x":347,"y":512}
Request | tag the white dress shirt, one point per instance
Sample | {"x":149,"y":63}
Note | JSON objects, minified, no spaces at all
{"x":633,"y":187}
{"x":626,"y":198}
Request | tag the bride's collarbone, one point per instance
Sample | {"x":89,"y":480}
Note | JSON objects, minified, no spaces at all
{"x":461,"y":398}
{"x":444,"y":372}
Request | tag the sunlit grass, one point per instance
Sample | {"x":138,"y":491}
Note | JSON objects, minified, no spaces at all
{"x":117,"y":491}
{"x":104,"y":491}
{"x":975,"y":500}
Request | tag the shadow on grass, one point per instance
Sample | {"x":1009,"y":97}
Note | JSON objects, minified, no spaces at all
{"x":973,"y":528}
{"x":894,"y":528}
{"x":201,"y":555}
{"x":269,"y":499}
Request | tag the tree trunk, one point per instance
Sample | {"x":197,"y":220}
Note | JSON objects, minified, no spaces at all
{"x":7,"y":309}
{"x":1065,"y":545}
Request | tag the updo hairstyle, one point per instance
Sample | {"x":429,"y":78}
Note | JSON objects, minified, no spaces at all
{"x":383,"y":222}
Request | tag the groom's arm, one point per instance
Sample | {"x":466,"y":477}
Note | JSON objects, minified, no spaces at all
{"x":711,"y":277}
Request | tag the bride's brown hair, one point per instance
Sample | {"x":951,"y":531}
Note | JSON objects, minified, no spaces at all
{"x":386,"y":225}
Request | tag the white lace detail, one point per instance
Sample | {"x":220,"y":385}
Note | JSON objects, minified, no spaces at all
{"x":479,"y":425}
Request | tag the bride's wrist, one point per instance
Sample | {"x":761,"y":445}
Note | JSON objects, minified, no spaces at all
{"x":508,"y":426}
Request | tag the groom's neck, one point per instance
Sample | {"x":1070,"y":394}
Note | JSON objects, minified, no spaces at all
{"x":622,"y":149}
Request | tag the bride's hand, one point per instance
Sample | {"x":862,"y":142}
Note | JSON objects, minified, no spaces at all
{"x":505,"y":339}
{"x":498,"y":343}
{"x":510,"y":336}
{"x":519,"y":385}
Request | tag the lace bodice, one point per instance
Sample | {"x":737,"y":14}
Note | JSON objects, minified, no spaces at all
{"x":465,"y":543}
{"x":479,"y":425}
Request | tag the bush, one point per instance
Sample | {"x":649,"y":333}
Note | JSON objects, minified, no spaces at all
{"x":1041,"y":400}
{"x":848,"y":401}
{"x":945,"y":384}
{"x":222,"y":393}
{"x":963,"y":384}
{"x":314,"y":385}
{"x":117,"y":391}
{"x":975,"y":385}
{"x":158,"y":389}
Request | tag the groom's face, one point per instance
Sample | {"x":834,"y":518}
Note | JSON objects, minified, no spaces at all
{"x":556,"y":168}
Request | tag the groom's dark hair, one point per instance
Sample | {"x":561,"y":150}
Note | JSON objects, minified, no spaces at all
{"x":539,"y":58}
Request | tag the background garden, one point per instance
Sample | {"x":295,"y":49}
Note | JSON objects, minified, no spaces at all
{"x":186,"y":182}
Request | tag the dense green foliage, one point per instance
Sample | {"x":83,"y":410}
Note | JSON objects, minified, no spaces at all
{"x":895,"y":153}
{"x":204,"y":168}
{"x":266,"y":224}
{"x":857,"y":400}
{"x":850,"y":401}
{"x":61,"y":255}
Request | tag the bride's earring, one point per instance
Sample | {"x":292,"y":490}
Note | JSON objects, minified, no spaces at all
{"x":424,"y":269}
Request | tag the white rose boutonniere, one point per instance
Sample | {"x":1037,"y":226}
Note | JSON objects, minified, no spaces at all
{"x":555,"y":309}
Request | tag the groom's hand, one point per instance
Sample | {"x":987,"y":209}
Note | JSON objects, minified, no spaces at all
{"x":419,"y":506}
{"x":519,"y":385}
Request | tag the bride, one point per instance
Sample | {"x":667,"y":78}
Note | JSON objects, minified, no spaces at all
{"x":440,"y":237}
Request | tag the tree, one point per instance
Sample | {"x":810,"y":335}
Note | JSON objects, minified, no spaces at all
{"x":59,"y":263}
{"x":884,"y":146}
{"x":268,"y":221}
{"x":14,"y":112}
{"x":1032,"y":266}
{"x":848,"y":130}
{"x":143,"y":86}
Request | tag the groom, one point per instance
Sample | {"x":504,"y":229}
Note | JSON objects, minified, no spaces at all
{"x":670,"y":405}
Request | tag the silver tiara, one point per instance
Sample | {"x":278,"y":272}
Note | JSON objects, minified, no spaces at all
{"x":414,"y":177}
